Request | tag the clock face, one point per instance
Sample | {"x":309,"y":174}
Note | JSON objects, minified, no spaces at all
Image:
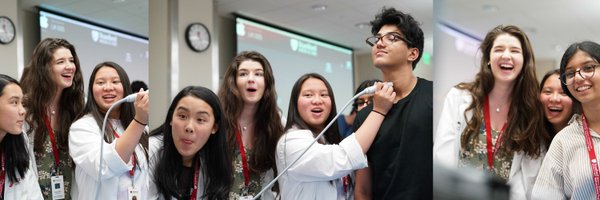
{"x":198,"y":37}
{"x":7,"y":30}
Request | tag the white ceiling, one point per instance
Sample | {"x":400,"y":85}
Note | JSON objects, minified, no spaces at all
{"x":552,"y":25}
{"x":337,"y":23}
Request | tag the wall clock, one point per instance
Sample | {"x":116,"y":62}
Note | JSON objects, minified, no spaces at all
{"x":197,"y":37}
{"x":7,"y":30}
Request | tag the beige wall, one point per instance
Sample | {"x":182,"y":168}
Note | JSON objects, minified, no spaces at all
{"x":173,"y":65}
{"x":8,"y":52}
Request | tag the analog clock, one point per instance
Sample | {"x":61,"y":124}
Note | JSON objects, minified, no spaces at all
{"x":197,"y":37}
{"x":7,"y":30}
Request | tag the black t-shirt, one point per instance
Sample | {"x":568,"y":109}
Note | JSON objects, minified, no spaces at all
{"x":400,"y":157}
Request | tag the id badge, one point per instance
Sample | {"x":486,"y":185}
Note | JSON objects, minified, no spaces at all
{"x":246,"y":198}
{"x":58,"y":187}
{"x":133,"y":193}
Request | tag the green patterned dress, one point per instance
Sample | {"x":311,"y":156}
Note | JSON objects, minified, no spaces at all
{"x":476,"y":156}
{"x":239,"y":188}
{"x":45,"y":165}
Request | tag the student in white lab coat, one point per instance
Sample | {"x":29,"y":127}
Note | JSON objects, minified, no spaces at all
{"x":125,"y":169}
{"x":189,"y":158}
{"x":319,"y":173}
{"x":18,"y":179}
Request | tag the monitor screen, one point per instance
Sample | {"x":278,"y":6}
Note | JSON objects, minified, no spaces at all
{"x":291,"y":55}
{"x":95,"y":44}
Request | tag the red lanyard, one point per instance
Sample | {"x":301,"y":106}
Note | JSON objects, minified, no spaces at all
{"x":592,"y":154}
{"x":132,"y":171}
{"x":53,"y":141}
{"x":345,"y":183}
{"x":2,"y":174}
{"x":196,"y":174}
{"x":488,"y":135}
{"x":243,"y":153}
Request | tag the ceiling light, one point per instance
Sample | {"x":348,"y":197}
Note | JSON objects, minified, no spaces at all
{"x":118,"y":1}
{"x":489,"y":8}
{"x":362,"y":25}
{"x":319,"y":7}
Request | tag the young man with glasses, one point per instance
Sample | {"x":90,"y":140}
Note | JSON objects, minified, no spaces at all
{"x":400,"y":158}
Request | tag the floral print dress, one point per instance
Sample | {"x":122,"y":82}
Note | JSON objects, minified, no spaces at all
{"x":477,"y":157}
{"x":45,"y":166}
{"x":239,"y":188}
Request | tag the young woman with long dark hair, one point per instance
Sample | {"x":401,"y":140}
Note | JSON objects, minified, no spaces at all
{"x":17,"y":173}
{"x":496,"y":122}
{"x":247,"y":95}
{"x":125,"y":166}
{"x":319,"y":173}
{"x":53,"y":88}
{"x":189,"y":150}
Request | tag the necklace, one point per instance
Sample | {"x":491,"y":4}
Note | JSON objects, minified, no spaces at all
{"x":52,"y":110}
{"x":245,"y":127}
{"x":498,"y":108}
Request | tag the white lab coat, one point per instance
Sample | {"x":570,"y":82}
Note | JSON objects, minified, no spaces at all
{"x":84,"y":147}
{"x":317,"y":174}
{"x":523,"y":170}
{"x":28,"y":187}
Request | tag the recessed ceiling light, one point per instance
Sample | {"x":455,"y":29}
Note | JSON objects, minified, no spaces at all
{"x":118,"y":1}
{"x":319,"y":7}
{"x":362,"y":25}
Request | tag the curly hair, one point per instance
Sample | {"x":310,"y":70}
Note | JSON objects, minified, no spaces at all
{"x":405,"y":23}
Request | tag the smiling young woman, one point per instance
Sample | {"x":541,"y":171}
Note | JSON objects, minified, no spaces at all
{"x":319,"y":174}
{"x":53,"y":87}
{"x":570,"y":169}
{"x":125,"y":148}
{"x":481,"y":124}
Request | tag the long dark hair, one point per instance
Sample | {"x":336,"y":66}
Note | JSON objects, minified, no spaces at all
{"x":39,"y":88}
{"x":525,"y":127}
{"x":12,"y":146}
{"x":576,"y":107}
{"x":267,"y":132}
{"x":213,"y":156}
{"x":359,"y":89}
{"x":126,"y":110}
{"x":332,"y":135}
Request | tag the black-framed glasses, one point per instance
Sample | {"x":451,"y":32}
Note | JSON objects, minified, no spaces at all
{"x":586,"y":72}
{"x":388,"y":39}
{"x":360,"y":102}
